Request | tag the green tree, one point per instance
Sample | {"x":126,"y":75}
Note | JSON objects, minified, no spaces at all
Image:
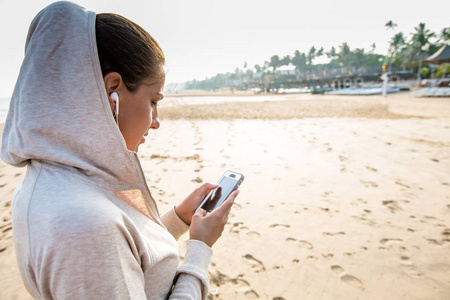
{"x":396,"y":45}
{"x":421,"y":39}
{"x":424,"y":72}
{"x":442,"y":70}
{"x":274,"y":62}
{"x":249,"y":74}
{"x":390,"y":25}
{"x":358,"y":57}
{"x":320,"y":52}
{"x":331,"y":54}
{"x":299,"y":60}
{"x":286,"y":60}
{"x":311,"y":55}
{"x":265,"y":66}
{"x":445,"y":35}
{"x":344,"y":55}
{"x":258,"y":68}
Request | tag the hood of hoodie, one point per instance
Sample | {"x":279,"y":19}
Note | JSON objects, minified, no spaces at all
{"x":59,"y":111}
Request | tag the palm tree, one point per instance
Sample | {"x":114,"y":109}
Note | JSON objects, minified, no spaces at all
{"x":320,"y":52}
{"x":299,"y":60}
{"x":311,"y":55}
{"x":390,"y":25}
{"x":445,"y":35}
{"x":332,"y":53}
{"x":359,"y":57}
{"x":396,"y":45}
{"x":344,"y":54}
{"x":274,"y":62}
{"x":286,"y":60}
{"x":421,"y":39}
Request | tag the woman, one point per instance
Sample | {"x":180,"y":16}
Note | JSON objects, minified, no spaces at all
{"x":84,"y":222}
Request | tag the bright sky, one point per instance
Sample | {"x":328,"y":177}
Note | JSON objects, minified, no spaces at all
{"x":201,"y":38}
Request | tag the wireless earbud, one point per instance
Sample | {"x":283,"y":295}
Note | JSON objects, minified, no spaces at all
{"x":115,"y":98}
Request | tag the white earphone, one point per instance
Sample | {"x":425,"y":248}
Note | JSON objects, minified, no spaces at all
{"x":115,"y":98}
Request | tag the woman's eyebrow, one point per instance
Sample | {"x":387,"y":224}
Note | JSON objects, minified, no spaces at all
{"x":161,"y":95}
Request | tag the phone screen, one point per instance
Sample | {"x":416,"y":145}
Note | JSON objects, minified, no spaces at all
{"x":219,"y":195}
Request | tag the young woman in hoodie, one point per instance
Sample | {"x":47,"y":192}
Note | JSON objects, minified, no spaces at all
{"x":85,"y":224}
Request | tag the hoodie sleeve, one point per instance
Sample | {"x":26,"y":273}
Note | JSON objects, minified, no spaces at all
{"x":174,"y":224}
{"x":191,"y":281}
{"x":91,"y":261}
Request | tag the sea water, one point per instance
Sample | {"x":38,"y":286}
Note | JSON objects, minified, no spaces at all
{"x":4,"y":106}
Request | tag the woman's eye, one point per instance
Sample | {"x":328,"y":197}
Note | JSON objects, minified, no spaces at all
{"x":155,"y":103}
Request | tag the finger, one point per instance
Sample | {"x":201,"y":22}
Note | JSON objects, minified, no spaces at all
{"x":200,"y":212}
{"x":207,"y":187}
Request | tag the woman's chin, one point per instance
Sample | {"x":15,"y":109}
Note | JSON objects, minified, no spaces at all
{"x":140,"y":143}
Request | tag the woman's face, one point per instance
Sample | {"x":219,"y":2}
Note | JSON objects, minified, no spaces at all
{"x":138,"y":111}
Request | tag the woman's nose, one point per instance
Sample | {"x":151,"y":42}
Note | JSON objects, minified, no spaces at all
{"x":155,"y":121}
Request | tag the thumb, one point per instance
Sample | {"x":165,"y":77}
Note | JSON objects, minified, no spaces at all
{"x":207,"y":187}
{"x":200,"y":212}
{"x":226,"y":206}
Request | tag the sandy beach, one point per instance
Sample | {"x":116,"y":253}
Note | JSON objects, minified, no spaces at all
{"x":345,"y":197}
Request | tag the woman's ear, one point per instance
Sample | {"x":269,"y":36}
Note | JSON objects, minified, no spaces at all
{"x":113,"y":84}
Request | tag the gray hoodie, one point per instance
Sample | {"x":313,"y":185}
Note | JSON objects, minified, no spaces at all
{"x":80,"y":231}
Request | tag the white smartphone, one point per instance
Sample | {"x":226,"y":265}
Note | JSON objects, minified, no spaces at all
{"x":228,"y":183}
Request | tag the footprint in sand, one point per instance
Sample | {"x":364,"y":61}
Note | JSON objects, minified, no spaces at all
{"x":237,"y":228}
{"x":392,"y":205}
{"x":279,"y":225}
{"x":337,"y":269}
{"x":347,"y":278}
{"x":362,"y":200}
{"x":301,"y":243}
{"x":251,"y":294}
{"x":254,"y":263}
{"x":253,"y":234}
{"x":305,"y":244}
{"x":238,"y":283}
{"x":410,"y":268}
{"x":390,"y":241}
{"x":198,"y":180}
{"x":333,"y":233}
{"x":371,"y":169}
{"x":439,"y":243}
{"x":369,"y":184}
{"x":218,"y":278}
{"x":398,"y":182}
{"x":234,"y":230}
{"x":237,"y":206}
{"x":343,"y":158}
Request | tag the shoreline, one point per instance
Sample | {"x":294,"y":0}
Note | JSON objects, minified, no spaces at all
{"x":275,"y":107}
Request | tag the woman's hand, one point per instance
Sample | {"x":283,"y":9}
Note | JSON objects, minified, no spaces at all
{"x":208,"y":227}
{"x":186,"y":209}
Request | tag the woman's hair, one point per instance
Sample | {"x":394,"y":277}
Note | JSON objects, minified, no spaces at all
{"x":126,"y":48}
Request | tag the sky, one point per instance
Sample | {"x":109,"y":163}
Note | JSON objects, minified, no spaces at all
{"x":201,"y":38}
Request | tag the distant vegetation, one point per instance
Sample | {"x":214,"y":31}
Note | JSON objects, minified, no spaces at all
{"x":403,"y":50}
